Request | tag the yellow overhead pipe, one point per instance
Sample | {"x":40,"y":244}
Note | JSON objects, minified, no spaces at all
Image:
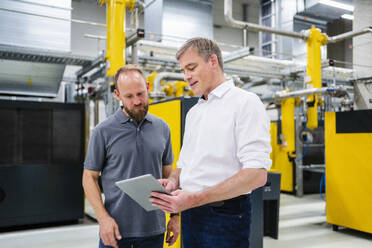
{"x":315,"y":41}
{"x":115,"y":42}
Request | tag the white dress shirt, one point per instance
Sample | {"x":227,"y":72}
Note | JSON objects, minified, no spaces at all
{"x":223,"y":135}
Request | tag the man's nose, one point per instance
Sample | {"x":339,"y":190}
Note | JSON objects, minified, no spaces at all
{"x":187,"y":76}
{"x":137,"y":101}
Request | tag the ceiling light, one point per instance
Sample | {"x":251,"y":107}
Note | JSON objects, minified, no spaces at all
{"x":347,"y":16}
{"x":337,"y":5}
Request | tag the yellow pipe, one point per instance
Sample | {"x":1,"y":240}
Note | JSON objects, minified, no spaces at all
{"x":115,"y":42}
{"x":288,"y":125}
{"x":315,"y":41}
{"x":180,"y":88}
{"x":150,"y":80}
{"x":168,"y":89}
{"x":285,"y":152}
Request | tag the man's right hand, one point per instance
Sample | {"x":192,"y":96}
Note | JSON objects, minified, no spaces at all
{"x":109,"y":231}
{"x":168,"y":184}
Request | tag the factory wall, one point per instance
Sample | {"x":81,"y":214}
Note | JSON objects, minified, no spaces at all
{"x":87,"y":10}
{"x":362,"y":44}
{"x":226,"y":34}
{"x":341,"y":50}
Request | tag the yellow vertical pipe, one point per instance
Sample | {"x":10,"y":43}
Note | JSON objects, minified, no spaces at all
{"x":274,"y":145}
{"x":115,"y":41}
{"x":315,"y":41}
{"x":115,"y":36}
{"x":288,"y":124}
{"x":286,"y":151}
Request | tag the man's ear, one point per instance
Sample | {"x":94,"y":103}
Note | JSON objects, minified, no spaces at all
{"x":117,"y":94}
{"x":214,"y":61}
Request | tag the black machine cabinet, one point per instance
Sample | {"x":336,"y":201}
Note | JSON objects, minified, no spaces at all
{"x":256,"y":238}
{"x":41,"y":156}
{"x":271,"y":204}
{"x":265,"y":211}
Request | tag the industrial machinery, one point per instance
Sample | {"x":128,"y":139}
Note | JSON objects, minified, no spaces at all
{"x":348,"y":145}
{"x":305,"y":94}
{"x":41,"y":156}
{"x":43,"y":138}
{"x":288,"y":157}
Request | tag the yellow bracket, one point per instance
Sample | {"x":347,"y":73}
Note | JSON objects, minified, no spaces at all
{"x":130,"y":4}
{"x":101,"y":2}
{"x":168,"y":89}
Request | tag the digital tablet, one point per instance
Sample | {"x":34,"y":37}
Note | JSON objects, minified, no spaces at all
{"x":140,"y":188}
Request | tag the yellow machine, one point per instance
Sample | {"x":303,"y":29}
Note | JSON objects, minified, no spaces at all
{"x":283,"y":146}
{"x":348,"y":146}
{"x":291,"y":151}
{"x":174,"y":113}
{"x":284,"y":142}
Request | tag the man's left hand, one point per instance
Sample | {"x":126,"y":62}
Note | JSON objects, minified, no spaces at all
{"x":177,"y":202}
{"x":173,"y":230}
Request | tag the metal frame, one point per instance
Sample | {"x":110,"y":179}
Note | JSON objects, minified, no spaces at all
{"x":43,"y":56}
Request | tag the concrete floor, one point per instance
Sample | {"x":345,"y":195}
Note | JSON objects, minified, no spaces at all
{"x":302,"y":224}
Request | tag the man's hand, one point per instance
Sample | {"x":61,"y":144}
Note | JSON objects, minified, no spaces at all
{"x":170,"y":185}
{"x":173,"y":230}
{"x":109,"y":231}
{"x":177,"y":202}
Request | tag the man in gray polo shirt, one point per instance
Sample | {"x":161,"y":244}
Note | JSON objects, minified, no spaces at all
{"x":130,"y":143}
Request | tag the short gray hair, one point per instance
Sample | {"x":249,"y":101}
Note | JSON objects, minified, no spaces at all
{"x":204,"y":47}
{"x":126,"y":68}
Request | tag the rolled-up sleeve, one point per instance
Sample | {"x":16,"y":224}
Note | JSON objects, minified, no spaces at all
{"x":252,"y":132}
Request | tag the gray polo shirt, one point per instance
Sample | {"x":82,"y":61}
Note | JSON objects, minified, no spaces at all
{"x":121,"y":149}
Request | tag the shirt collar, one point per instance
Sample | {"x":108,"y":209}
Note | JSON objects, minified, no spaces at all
{"x":220,"y":90}
{"x":120,"y":116}
{"x":123,"y":118}
{"x":149,"y":117}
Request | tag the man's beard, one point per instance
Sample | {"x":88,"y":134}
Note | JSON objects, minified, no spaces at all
{"x":139,"y":114}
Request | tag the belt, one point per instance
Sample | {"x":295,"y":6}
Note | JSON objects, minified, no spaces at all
{"x":232,"y":201}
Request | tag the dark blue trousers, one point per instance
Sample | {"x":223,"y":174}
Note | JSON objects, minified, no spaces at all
{"x":217,"y":226}
{"x":145,"y":242}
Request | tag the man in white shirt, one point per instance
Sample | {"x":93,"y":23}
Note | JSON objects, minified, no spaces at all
{"x":225,"y":154}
